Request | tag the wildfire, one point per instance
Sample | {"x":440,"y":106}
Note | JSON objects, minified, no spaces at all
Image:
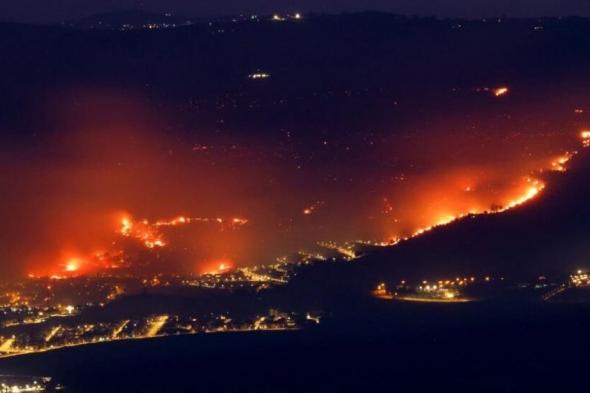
{"x":126,"y":226}
{"x":180,"y":220}
{"x":532,"y":191}
{"x":72,"y":265}
{"x":239,"y":221}
{"x":558,"y":164}
{"x":446,"y":219}
{"x":533,"y":188}
{"x":67,"y":266}
{"x":142,"y":231}
{"x":183,"y":220}
{"x":219,"y":267}
{"x":150,"y":235}
{"x":460,"y":193}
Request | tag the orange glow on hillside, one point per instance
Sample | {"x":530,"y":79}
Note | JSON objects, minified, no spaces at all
{"x":218,"y":267}
{"x":72,"y":265}
{"x":195,"y":202}
{"x":558,"y":164}
{"x":150,"y":235}
{"x":531,"y":191}
{"x":141,"y":231}
{"x":69,"y":264}
{"x":451,"y":202}
{"x":126,"y":226}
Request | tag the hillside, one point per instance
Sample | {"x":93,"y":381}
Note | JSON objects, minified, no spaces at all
{"x":546,"y":236}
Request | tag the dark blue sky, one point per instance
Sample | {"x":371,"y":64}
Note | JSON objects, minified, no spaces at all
{"x":48,"y":11}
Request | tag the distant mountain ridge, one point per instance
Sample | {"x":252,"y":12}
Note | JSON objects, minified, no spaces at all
{"x":129,"y":19}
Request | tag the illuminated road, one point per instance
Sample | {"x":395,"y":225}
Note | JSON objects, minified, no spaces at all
{"x":23,"y":352}
{"x":422,"y":299}
{"x":554,"y":292}
{"x":52,"y":333}
{"x":7,"y":345}
{"x":255,"y":277}
{"x":430,"y":299}
{"x":347,"y":252}
{"x":156,"y":325}
{"x":119,"y":329}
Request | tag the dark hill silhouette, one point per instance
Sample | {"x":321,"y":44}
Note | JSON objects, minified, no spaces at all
{"x":117,"y":20}
{"x":546,"y":236}
{"x":416,"y":58}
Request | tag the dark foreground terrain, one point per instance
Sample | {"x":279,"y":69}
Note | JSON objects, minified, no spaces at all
{"x":483,"y":347}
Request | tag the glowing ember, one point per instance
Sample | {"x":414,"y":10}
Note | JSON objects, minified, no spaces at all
{"x":72,"y":265}
{"x":500,"y":91}
{"x":585,"y":135}
{"x":126,"y":226}
{"x":558,"y":164}
{"x":312,"y":209}
{"x":239,"y":221}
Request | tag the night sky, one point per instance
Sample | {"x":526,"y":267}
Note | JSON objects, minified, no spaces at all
{"x":42,"y":11}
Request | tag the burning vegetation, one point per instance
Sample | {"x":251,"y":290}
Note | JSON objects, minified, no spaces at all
{"x":291,"y":199}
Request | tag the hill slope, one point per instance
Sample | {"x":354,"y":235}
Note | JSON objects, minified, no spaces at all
{"x":546,"y":236}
